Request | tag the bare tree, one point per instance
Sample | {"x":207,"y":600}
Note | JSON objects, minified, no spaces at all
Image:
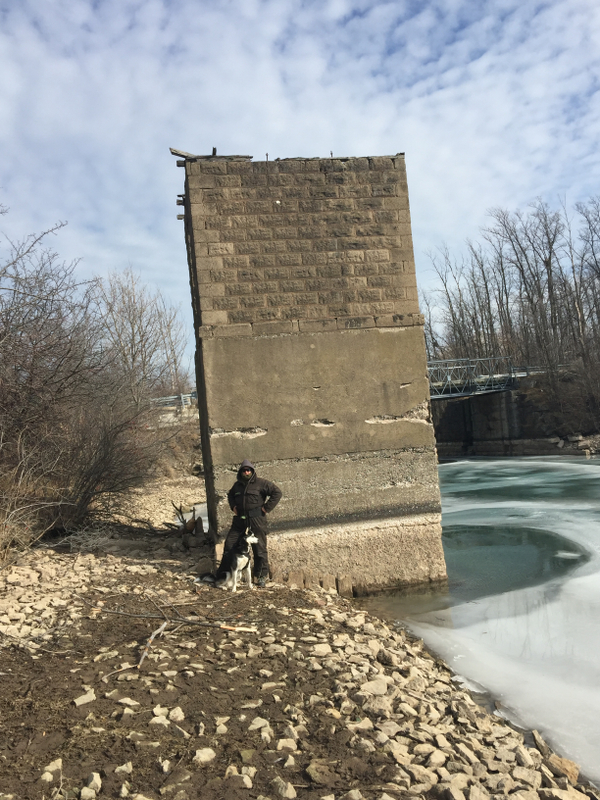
{"x":144,"y":336}
{"x":530,"y":290}
{"x":432,"y":345}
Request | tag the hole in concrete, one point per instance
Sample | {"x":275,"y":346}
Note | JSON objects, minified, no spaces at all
{"x":419,"y":413}
{"x":238,"y":433}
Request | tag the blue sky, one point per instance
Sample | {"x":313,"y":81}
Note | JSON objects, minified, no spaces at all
{"x":494,"y":103}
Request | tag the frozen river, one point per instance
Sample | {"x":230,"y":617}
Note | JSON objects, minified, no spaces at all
{"x":521,"y":617}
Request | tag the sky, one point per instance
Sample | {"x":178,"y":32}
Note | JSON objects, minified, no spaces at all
{"x":495,"y":103}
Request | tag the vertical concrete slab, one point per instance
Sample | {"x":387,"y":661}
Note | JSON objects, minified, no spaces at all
{"x":311,"y":361}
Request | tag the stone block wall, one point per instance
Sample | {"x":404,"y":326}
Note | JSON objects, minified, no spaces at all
{"x":311,"y":359}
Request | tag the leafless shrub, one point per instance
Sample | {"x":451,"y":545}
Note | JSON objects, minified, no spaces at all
{"x":77,"y":425}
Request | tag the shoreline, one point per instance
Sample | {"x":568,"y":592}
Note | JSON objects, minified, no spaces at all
{"x":275,"y":693}
{"x":485,"y":698}
{"x":580,"y":447}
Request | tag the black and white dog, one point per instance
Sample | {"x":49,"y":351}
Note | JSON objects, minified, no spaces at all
{"x":236,"y":561}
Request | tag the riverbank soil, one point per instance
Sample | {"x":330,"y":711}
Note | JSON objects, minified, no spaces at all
{"x":122,"y":678}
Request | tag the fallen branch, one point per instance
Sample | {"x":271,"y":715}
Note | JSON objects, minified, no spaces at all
{"x":169,"y":605}
{"x":115,"y":671}
{"x":178,"y":619}
{"x":30,"y":642}
{"x":156,"y":606}
{"x":175,"y":630}
{"x":157,"y":632}
{"x":175,"y":605}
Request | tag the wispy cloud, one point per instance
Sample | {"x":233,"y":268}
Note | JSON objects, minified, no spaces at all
{"x":494,"y":103}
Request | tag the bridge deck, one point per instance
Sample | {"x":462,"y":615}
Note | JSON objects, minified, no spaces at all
{"x":463,"y":377}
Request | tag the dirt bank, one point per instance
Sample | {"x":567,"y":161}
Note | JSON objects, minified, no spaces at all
{"x":270,"y":693}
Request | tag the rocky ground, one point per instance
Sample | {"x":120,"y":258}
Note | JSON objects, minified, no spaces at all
{"x":120,"y":678}
{"x":154,"y":504}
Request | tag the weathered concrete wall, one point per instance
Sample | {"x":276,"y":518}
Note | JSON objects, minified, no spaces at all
{"x":513,"y":423}
{"x":472,"y":425}
{"x":311,"y":360}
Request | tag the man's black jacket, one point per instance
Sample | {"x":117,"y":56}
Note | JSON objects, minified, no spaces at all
{"x":249,"y":497}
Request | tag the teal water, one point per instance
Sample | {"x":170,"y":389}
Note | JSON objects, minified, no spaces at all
{"x":520,"y":617}
{"x":486,"y":560}
{"x":551,"y":480}
{"x":490,"y":544}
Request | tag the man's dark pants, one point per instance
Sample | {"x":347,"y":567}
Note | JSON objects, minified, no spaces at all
{"x":258,"y":525}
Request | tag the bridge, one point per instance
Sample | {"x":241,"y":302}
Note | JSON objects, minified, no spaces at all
{"x":463,"y":377}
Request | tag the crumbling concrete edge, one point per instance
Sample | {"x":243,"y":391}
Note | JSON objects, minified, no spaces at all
{"x":361,"y":558}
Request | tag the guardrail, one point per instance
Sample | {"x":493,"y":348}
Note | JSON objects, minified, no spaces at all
{"x":178,"y":400}
{"x":461,"y":377}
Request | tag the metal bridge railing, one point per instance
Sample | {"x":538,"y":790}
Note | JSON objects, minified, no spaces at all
{"x":460,"y":377}
{"x":179,"y":400}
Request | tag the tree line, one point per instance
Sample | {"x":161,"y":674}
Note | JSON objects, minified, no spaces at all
{"x":529,"y":290}
{"x":80,"y":362}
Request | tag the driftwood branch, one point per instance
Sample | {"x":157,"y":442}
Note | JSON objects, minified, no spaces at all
{"x":158,"y":632}
{"x":115,"y":672}
{"x":156,"y":606}
{"x":179,"y":619}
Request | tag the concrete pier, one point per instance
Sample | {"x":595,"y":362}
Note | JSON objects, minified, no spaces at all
{"x":311,"y":362}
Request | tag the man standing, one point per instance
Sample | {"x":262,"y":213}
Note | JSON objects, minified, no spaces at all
{"x":251,"y":498}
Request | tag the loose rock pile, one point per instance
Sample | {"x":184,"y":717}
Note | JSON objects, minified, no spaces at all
{"x":266,"y":694}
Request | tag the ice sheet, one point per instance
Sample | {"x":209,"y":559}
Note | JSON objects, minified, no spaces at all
{"x":537,"y":648}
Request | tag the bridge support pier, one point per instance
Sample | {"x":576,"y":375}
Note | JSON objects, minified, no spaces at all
{"x":310,"y":360}
{"x":482,"y":424}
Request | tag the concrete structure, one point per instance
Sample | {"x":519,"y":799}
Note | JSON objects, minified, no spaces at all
{"x":519,"y":422}
{"x":311,"y":361}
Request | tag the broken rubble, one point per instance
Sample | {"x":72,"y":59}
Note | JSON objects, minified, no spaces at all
{"x":283,"y":788}
{"x":83,"y":699}
{"x":204,"y":756}
{"x":323,"y":673}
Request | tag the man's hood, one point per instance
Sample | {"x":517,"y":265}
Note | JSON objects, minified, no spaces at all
{"x":245,"y":463}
